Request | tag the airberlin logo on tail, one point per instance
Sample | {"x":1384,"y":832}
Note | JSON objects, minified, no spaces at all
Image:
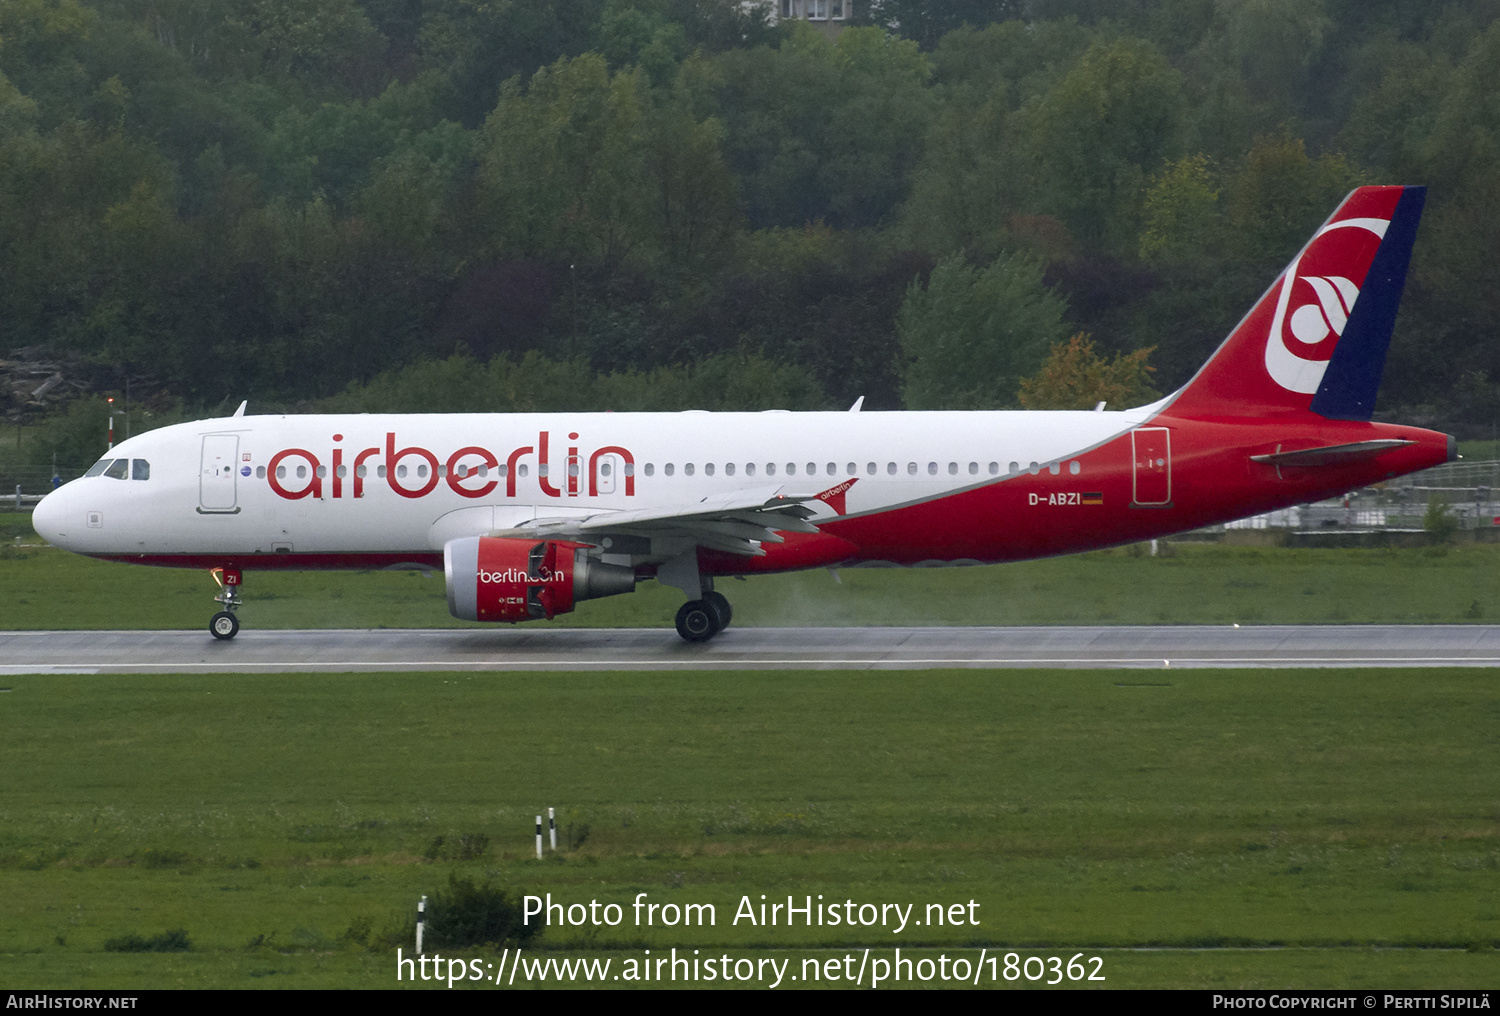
{"x":471,"y":471}
{"x":1317,"y":296}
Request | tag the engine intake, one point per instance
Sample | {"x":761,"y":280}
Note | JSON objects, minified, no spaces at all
{"x":492,"y":578}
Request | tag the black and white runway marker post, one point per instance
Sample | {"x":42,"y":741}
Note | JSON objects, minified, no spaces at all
{"x":421,"y":920}
{"x":552,"y":828}
{"x":539,"y":837}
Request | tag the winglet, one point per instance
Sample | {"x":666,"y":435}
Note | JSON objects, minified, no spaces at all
{"x":834,"y":496}
{"x":241,"y":411}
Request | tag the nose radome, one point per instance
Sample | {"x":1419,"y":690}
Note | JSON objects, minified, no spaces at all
{"x":48,"y":518}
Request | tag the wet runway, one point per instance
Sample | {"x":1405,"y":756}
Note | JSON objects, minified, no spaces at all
{"x":499,"y":649}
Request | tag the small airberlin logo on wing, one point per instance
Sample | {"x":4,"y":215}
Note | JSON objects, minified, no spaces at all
{"x":1317,"y":296}
{"x":834,"y":496}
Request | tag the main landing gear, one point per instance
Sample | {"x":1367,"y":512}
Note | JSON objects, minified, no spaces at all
{"x":701,"y":620}
{"x":224,"y":625}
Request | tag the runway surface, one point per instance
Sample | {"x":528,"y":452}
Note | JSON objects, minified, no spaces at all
{"x":1165,"y":647}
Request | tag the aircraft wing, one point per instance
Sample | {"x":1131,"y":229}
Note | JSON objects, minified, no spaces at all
{"x":736,"y":522}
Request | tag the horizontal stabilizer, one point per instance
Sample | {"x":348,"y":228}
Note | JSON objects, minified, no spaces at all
{"x":1331,"y":455}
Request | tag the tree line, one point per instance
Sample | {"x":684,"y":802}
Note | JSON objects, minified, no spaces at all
{"x":657,"y":203}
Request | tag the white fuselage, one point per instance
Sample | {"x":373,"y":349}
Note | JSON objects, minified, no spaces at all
{"x":593,"y":462}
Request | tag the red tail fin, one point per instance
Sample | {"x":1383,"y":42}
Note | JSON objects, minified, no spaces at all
{"x":1316,"y":341}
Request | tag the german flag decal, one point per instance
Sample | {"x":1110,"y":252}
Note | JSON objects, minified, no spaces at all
{"x":1093,"y":497}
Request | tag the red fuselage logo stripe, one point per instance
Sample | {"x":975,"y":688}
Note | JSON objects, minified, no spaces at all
{"x":466,"y":470}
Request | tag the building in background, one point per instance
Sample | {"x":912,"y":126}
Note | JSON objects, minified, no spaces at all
{"x":828,"y":15}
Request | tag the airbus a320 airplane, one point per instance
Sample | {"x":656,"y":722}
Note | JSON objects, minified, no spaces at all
{"x":528,"y":514}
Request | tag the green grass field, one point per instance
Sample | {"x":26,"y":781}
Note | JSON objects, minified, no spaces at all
{"x":288,"y":822}
{"x":1201,"y":583}
{"x":1253,"y":828}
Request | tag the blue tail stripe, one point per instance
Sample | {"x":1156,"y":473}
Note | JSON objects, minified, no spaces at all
{"x":1358,"y":362}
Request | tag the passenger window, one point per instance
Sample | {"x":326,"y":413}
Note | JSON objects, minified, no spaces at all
{"x":1015,"y":467}
{"x":98,"y":467}
{"x":650,"y":468}
{"x":604,"y":469}
{"x":260,"y":472}
{"x":932,"y":469}
{"x":871,"y":468}
{"x":281,"y":472}
{"x":770,"y":469}
{"x":791,"y":469}
{"x":995,"y":468}
{"x":832,"y":468}
{"x":1074,"y":467}
{"x":749,"y":469}
{"x":1054,"y":468}
{"x":812,"y":469}
{"x":729,"y":469}
{"x":117,"y":469}
{"x":379,"y":472}
{"x":668,"y":469}
{"x":911,"y":469}
{"x":973,"y":469}
{"x":688,"y":469}
{"x":852,"y":469}
{"x":708,"y":469}
{"x":140,"y":469}
{"x":890,"y":468}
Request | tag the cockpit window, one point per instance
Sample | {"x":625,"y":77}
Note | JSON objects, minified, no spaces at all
{"x":98,"y":467}
{"x":118,"y":468}
{"x":140,"y":469}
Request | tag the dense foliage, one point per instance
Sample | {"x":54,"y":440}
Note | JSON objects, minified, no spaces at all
{"x":621,"y":203}
{"x":468,"y":915}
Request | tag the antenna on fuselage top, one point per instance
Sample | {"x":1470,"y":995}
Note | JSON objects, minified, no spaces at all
{"x":857,"y":403}
{"x":241,"y":411}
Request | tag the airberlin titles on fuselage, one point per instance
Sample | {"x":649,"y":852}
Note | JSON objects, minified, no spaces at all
{"x":467,"y":471}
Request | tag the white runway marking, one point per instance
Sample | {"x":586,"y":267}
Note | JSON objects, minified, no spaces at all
{"x":577,"y":649}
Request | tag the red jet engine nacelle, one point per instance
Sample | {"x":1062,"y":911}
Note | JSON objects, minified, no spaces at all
{"x":492,"y":578}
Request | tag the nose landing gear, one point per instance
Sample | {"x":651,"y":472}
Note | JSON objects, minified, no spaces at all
{"x":224,"y":625}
